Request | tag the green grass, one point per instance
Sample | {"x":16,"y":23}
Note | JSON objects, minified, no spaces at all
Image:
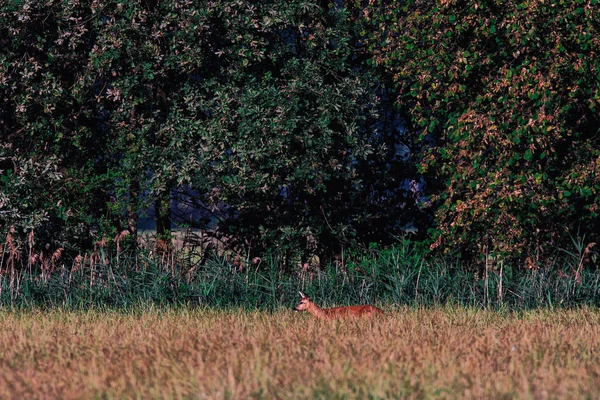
{"x":401,"y":275}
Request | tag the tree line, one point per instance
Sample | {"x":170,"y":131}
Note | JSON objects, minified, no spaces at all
{"x":302,"y":126}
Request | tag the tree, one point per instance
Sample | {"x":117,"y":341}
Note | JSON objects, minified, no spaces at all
{"x":55,"y":142}
{"x":264,"y":115}
{"x":505,"y":94}
{"x":289,"y":144}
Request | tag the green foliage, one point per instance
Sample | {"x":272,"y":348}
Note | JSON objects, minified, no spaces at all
{"x":507,"y":95}
{"x":285,"y":150}
{"x":400,"y":275}
{"x":275,"y":120}
{"x":55,"y":126}
{"x":259,"y":114}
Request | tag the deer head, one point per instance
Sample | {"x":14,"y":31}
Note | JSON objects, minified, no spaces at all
{"x":304,"y":302}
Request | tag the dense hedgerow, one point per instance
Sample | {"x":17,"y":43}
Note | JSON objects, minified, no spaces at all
{"x":301,"y":128}
{"x":506,"y":97}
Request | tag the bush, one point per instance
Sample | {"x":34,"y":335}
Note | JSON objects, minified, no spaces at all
{"x":506,"y":96}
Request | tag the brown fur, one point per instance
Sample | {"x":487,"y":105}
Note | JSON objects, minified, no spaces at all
{"x":306,"y":304}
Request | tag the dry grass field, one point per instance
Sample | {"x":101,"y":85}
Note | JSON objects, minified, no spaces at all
{"x":425,"y":353}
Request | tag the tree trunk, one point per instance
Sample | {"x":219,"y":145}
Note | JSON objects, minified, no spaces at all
{"x":132,"y":216}
{"x":162,"y":212}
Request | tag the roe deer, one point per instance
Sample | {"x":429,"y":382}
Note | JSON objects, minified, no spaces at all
{"x":306,"y":304}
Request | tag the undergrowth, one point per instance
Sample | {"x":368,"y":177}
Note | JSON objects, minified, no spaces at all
{"x":400,"y":275}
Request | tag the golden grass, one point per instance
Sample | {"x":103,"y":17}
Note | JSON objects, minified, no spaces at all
{"x":425,"y":353}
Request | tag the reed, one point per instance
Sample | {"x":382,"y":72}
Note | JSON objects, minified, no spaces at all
{"x":400,"y":275}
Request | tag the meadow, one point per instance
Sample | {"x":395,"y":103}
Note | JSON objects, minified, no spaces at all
{"x":143,"y":325}
{"x":411,"y":352}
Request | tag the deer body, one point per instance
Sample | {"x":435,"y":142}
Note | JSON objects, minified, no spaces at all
{"x":306,"y":304}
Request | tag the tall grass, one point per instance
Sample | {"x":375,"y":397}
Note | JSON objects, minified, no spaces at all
{"x":421,"y":353}
{"x":401,"y":275}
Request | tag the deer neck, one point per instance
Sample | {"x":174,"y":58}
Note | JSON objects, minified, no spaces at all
{"x":316,"y":311}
